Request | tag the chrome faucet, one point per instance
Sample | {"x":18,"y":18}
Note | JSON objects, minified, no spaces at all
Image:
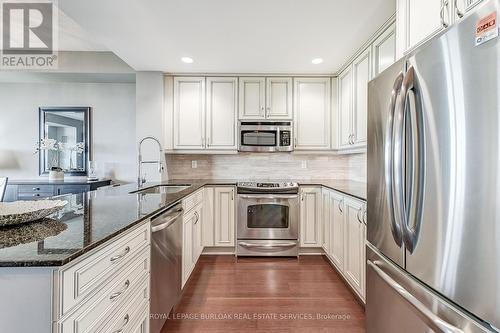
{"x":140,"y":179}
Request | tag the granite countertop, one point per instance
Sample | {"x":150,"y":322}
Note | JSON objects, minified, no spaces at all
{"x":92,"y":218}
{"x":66,"y":181}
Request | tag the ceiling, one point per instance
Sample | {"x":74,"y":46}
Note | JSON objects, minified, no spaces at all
{"x":231,"y":36}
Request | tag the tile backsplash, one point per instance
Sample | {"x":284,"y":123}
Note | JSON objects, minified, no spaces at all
{"x":267,"y":166}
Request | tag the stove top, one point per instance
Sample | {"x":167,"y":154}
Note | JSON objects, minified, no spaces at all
{"x":270,"y":187}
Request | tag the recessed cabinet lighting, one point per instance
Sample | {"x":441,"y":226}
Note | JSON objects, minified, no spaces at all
{"x":187,"y":60}
{"x":317,"y":61}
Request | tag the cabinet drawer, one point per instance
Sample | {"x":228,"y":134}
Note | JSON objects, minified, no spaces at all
{"x":79,"y":280}
{"x":34,"y":195}
{"x":130,"y":317}
{"x":193,"y":200}
{"x":35,"y":188}
{"x":110,"y":298}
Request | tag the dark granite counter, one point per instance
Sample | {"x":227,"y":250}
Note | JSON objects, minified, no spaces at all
{"x":92,"y":218}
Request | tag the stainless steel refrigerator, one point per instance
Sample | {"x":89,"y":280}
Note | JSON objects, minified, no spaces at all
{"x":433,"y":252}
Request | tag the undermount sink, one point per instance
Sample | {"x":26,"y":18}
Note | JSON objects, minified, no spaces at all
{"x":162,"y":189}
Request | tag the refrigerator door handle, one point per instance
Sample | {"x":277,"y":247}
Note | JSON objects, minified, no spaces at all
{"x":393,"y":160}
{"x":415,"y":167}
{"x":437,"y":324}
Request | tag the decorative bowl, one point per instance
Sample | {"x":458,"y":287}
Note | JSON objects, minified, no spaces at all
{"x":18,"y":212}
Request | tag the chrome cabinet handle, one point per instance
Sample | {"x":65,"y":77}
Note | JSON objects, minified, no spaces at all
{"x":364,"y":214}
{"x":118,"y":293}
{"x":36,"y":189}
{"x":441,"y":13}
{"x":437,"y":324}
{"x":121,"y":255}
{"x":197,"y":217}
{"x":295,"y":142}
{"x":125,"y":322}
{"x":341,"y":202}
{"x":358,"y":213}
{"x":261,"y":110}
{"x":459,"y":13}
{"x":232,"y":194}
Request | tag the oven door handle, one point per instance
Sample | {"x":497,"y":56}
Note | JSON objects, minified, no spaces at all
{"x":267,"y":246}
{"x":268,"y":196}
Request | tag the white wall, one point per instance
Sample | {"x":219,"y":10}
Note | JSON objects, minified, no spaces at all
{"x":149,"y":116}
{"x":113,"y":122}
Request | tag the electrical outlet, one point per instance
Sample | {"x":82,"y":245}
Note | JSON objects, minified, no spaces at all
{"x":194,"y":164}
{"x":304,"y":164}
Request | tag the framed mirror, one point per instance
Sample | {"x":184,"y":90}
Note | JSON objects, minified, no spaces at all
{"x":64,"y":139}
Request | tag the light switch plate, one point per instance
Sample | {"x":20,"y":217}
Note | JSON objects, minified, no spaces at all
{"x":194,"y":164}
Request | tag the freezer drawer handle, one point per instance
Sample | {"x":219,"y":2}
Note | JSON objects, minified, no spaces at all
{"x":267,"y":246}
{"x":436,"y":323}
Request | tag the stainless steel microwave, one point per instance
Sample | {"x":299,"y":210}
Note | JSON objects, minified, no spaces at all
{"x":265,"y":136}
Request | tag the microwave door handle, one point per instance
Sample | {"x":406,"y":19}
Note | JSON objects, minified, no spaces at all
{"x":389,"y":161}
{"x":431,"y":319}
{"x":416,"y":159}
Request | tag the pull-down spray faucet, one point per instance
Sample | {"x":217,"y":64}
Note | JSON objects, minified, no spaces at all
{"x":140,"y":178}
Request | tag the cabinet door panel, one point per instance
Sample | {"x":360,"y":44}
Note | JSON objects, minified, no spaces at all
{"x":224,"y":216}
{"x":327,"y":209}
{"x":312,"y":113}
{"x":187,"y":248}
{"x":337,"y":229}
{"x":208,"y":217}
{"x":362,"y":74}
{"x":422,"y":20}
{"x":354,"y":246}
{"x":189,"y":112}
{"x":221,"y":113}
{"x":252,"y":97}
{"x":310,"y":217}
{"x":384,"y":50}
{"x":345,"y":107}
{"x":279,"y":98}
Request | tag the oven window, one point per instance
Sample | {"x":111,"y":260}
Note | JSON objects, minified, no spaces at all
{"x":267,"y":216}
{"x":258,"y":138}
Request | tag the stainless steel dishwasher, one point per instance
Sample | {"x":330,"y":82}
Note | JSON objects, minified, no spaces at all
{"x":166,"y":261}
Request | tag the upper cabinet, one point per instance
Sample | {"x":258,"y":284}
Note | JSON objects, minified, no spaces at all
{"x":420,"y":20}
{"x":221,"y":113}
{"x":312,"y":113}
{"x":265,"y":98}
{"x":353,"y":102}
{"x":205,"y":119}
{"x":189,"y":113}
{"x":384,"y":50}
{"x":279,"y":98}
{"x":252,"y":98}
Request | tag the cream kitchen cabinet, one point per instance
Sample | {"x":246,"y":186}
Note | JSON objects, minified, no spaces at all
{"x":224,"y":216}
{"x":205,"y":119}
{"x":192,"y":229}
{"x":384,"y":50}
{"x":189,"y":113}
{"x":312,"y":99}
{"x":222,"y":99}
{"x":419,"y":20}
{"x":354,"y":245}
{"x":337,"y":225}
{"x":326,"y":207}
{"x":345,"y":108}
{"x":353,"y":102}
{"x":265,"y":98}
{"x":310,"y":217}
{"x":461,"y":7}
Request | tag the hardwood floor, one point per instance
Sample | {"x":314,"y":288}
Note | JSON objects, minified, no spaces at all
{"x":266,"y":295}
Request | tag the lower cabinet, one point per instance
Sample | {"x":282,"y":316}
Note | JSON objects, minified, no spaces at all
{"x":191,"y":237}
{"x":224,"y":216}
{"x":310,"y":217}
{"x":344,"y":237}
{"x":354,"y":245}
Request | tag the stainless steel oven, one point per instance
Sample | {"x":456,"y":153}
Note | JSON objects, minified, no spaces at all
{"x":265,"y":136}
{"x":268,"y":219}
